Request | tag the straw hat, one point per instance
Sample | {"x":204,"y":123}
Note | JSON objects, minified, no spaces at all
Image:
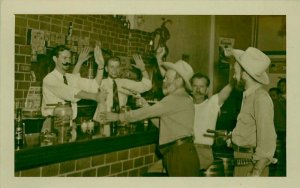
{"x":254,"y":62}
{"x":183,"y":69}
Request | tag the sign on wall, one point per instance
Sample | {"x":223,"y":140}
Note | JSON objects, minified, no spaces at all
{"x":278,"y":64}
{"x":225,"y":49}
{"x":277,"y":70}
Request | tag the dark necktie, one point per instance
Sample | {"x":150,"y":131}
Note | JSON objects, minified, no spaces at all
{"x":116,"y":104}
{"x":65,"y":79}
{"x":66,"y":82}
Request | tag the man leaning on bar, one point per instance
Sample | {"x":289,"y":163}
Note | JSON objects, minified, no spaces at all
{"x":176,"y":112}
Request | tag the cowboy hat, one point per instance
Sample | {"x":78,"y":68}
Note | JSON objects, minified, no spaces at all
{"x":254,"y":62}
{"x":183,"y":69}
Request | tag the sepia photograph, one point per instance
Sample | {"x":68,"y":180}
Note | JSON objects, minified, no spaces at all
{"x":144,"y":97}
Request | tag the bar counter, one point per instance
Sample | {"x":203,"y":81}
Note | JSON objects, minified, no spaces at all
{"x":32,"y":157}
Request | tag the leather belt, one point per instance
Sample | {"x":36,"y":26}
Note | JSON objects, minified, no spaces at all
{"x":203,"y":146}
{"x":242,"y":149}
{"x":177,"y":142}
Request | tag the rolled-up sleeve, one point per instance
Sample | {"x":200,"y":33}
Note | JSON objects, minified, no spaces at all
{"x":88,"y":85}
{"x":155,"y":110}
{"x":141,"y":86}
{"x":266,"y":135}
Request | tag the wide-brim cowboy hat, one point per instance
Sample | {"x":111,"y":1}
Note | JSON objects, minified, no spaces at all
{"x":254,"y":62}
{"x":183,"y":69}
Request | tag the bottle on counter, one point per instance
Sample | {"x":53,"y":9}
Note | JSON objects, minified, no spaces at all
{"x":104,"y":126}
{"x":90,"y":127}
{"x":19,"y":130}
{"x":91,"y":68}
{"x":114,"y":124}
{"x":84,"y":126}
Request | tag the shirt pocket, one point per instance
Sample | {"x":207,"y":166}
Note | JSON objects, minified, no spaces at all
{"x":245,"y":118}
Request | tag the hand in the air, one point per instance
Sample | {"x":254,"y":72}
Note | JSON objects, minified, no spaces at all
{"x":160,"y":52}
{"x":84,"y":55}
{"x":98,"y":55}
{"x":139,"y":64}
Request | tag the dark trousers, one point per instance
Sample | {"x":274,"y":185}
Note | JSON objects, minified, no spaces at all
{"x":181,"y":160}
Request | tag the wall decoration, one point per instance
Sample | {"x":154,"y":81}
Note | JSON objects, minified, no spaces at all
{"x":225,"y":47}
{"x":37,"y":42}
{"x":33,"y":99}
{"x":160,"y":36}
{"x":185,"y":57}
{"x":60,"y":39}
{"x":278,"y":64}
{"x":37,"y":38}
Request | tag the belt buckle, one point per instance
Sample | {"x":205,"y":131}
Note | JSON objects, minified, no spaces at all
{"x":177,"y":142}
{"x":183,"y":140}
{"x":180,"y":141}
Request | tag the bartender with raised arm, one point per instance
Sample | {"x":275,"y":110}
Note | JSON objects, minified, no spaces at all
{"x":60,"y":86}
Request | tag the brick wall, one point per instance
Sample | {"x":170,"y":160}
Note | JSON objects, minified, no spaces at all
{"x":111,"y":32}
{"x":129,"y":162}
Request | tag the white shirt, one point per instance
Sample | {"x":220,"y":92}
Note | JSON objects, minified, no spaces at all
{"x":206,"y":114}
{"x":54,"y":90}
{"x":107,"y":85}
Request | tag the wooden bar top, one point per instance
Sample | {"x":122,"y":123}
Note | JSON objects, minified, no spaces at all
{"x":83,"y":147}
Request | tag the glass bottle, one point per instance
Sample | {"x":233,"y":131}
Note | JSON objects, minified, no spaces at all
{"x":105,"y":127}
{"x":19,"y":130}
{"x":114,"y":124}
{"x":91,"y":68}
{"x":83,"y":126}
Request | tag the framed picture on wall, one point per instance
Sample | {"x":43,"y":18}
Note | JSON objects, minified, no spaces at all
{"x":278,"y":64}
{"x":277,"y":68}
